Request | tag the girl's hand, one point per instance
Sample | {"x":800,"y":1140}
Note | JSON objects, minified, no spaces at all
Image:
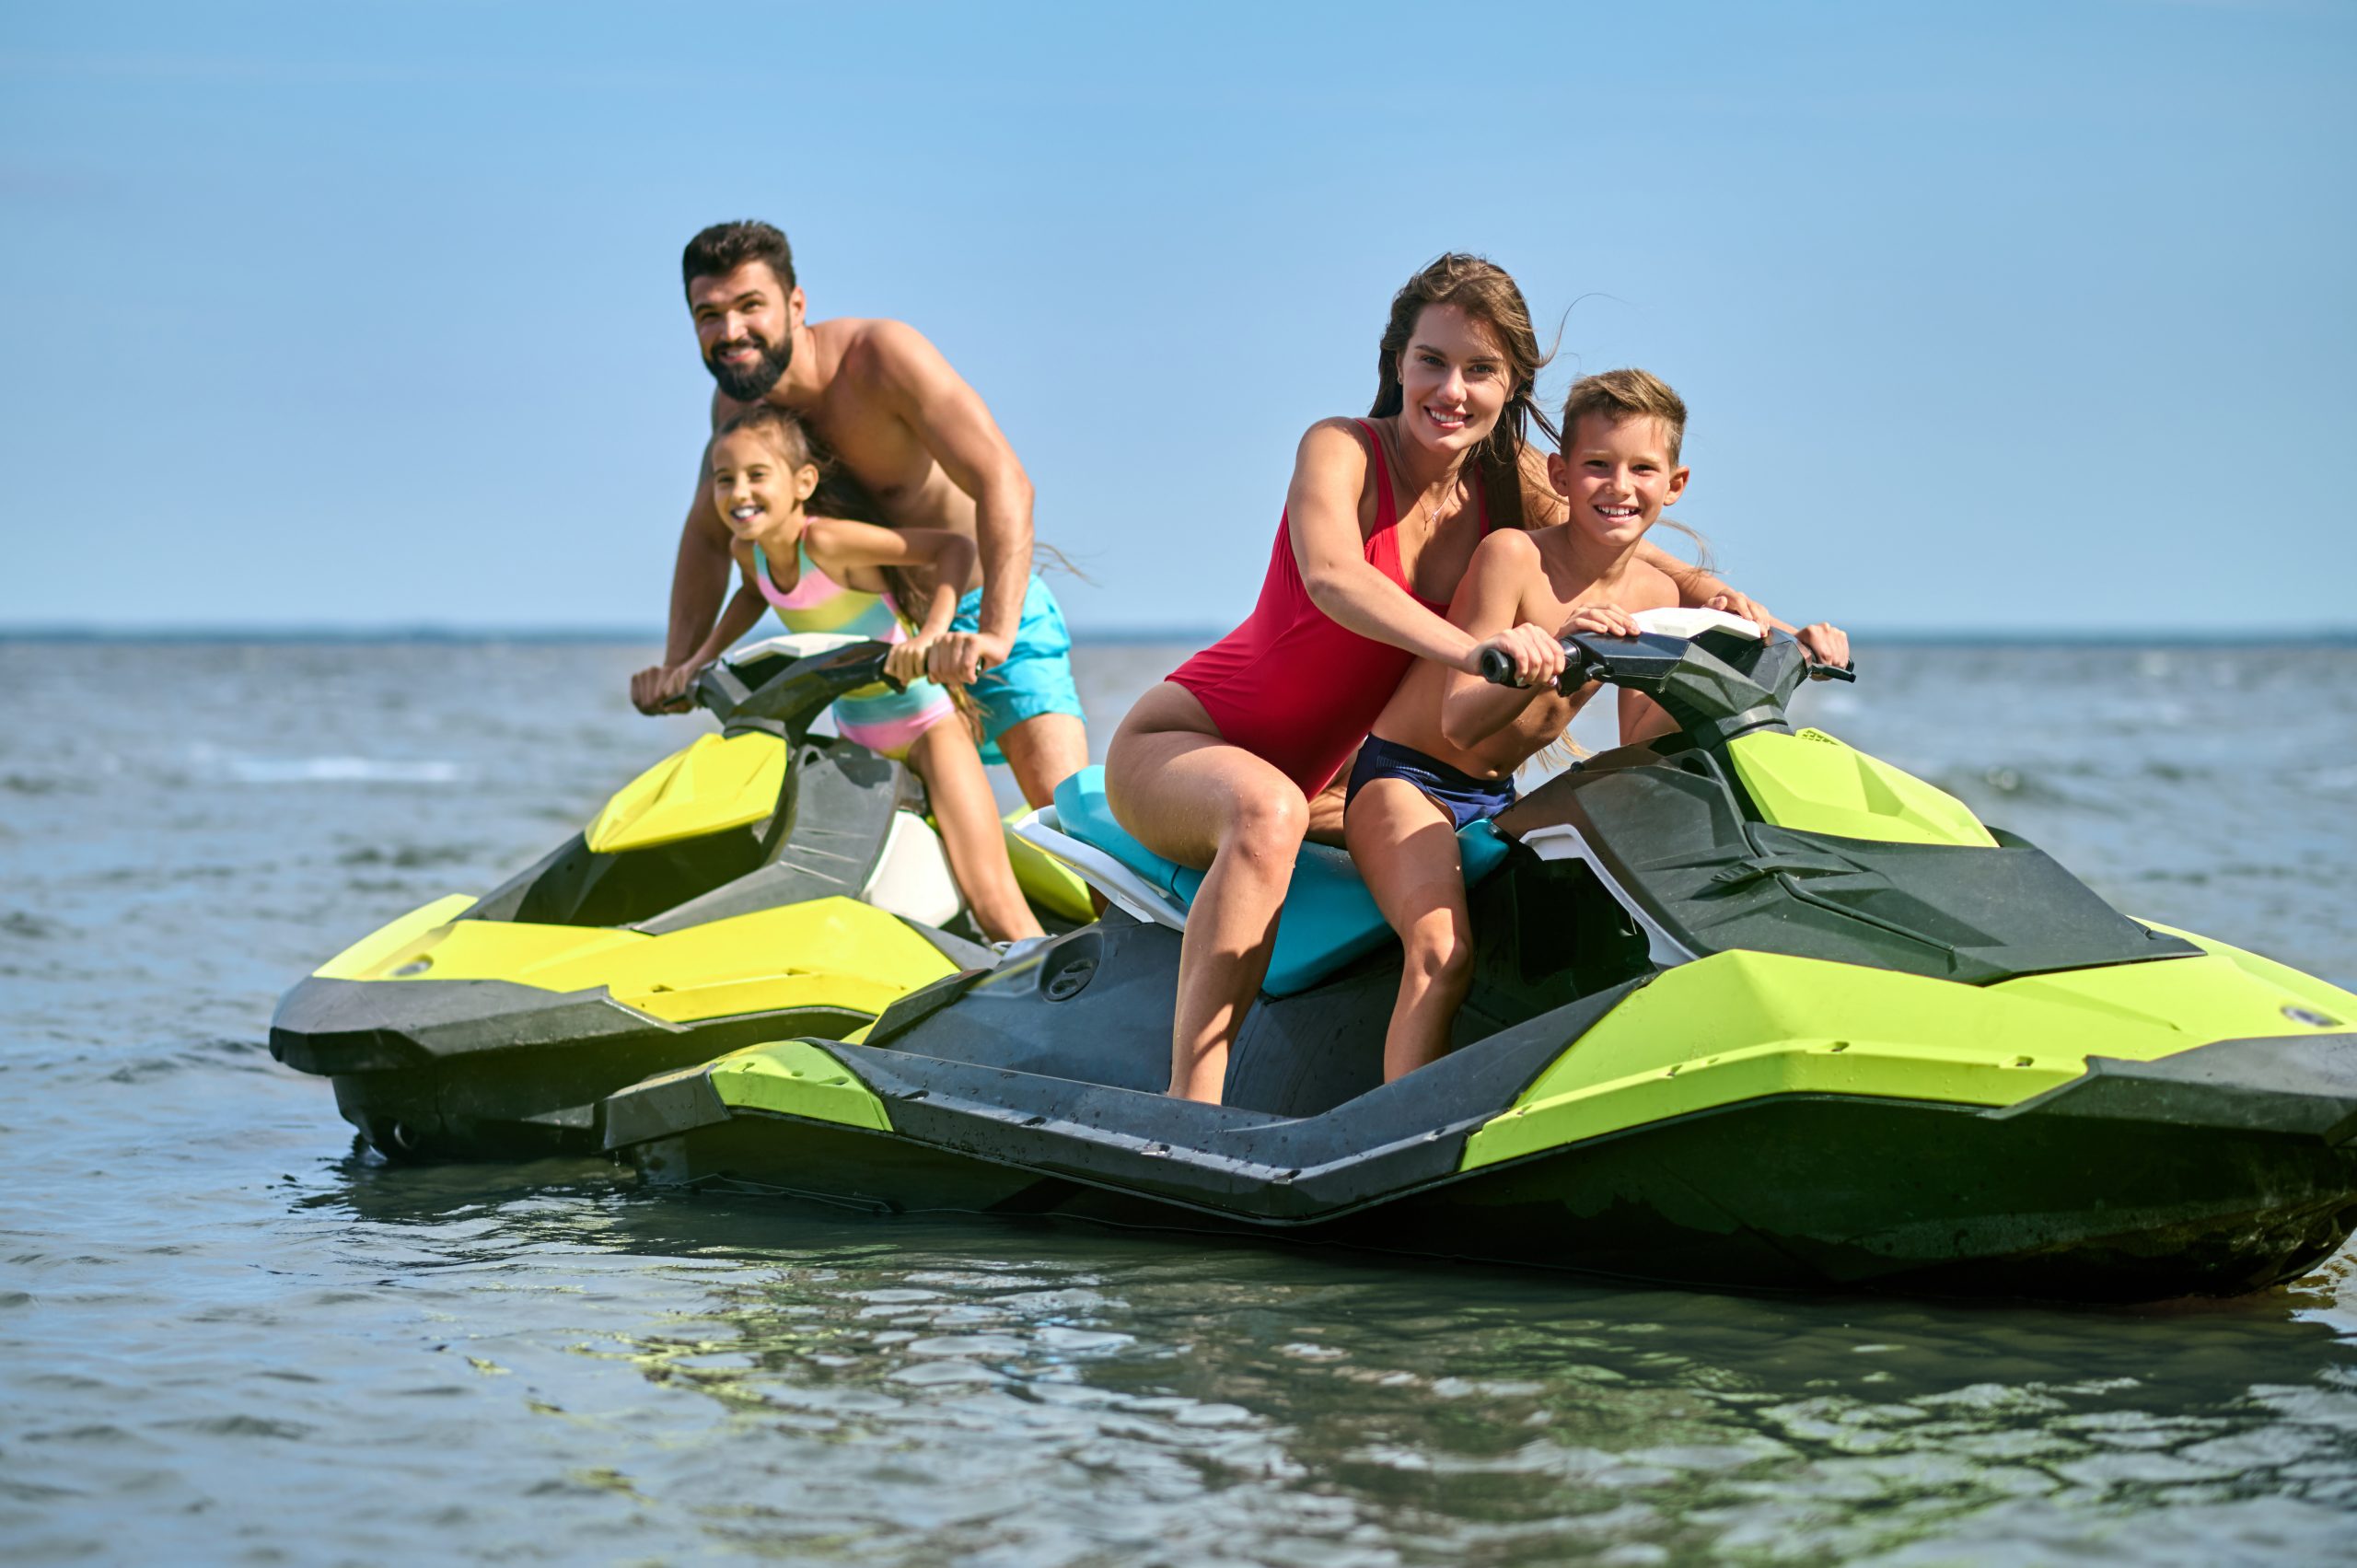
{"x":1605,"y":620}
{"x":1537,"y":656}
{"x":1743,"y":604}
{"x":906,"y":662}
{"x":1826,"y":644}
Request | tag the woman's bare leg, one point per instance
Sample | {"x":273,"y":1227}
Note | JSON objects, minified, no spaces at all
{"x":1404,"y":847}
{"x":975,"y":838}
{"x":1192,"y":797}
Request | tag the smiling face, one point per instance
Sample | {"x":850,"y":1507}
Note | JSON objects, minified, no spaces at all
{"x":757,"y":492}
{"x":1618,"y":474}
{"x":1455,"y":380}
{"x":745,"y":325}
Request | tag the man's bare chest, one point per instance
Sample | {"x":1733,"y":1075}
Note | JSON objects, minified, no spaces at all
{"x":876,"y":449}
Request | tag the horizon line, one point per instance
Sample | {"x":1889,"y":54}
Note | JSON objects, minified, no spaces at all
{"x":1198,"y":636}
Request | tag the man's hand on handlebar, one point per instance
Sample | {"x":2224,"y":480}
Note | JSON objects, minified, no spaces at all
{"x":661,"y":689}
{"x":1535,"y":654}
{"x":961,"y":656}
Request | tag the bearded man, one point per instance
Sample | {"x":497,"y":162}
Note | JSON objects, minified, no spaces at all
{"x":919,"y":450}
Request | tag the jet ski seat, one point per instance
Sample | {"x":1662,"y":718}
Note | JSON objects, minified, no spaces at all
{"x":1329,"y":917}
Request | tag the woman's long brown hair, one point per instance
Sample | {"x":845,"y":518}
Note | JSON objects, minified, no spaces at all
{"x":1485,"y":292}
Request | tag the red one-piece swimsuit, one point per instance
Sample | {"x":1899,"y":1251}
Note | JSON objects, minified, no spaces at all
{"x":1294,"y":686}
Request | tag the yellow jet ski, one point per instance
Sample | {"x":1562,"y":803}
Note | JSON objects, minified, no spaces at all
{"x":764,"y":881}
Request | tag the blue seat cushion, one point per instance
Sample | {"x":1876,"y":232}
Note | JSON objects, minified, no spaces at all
{"x":1329,"y":917}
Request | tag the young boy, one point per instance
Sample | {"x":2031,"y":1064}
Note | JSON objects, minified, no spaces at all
{"x":1444,"y":753}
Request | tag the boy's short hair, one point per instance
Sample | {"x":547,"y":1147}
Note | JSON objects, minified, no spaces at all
{"x":725,"y":247}
{"x":1626,"y":394}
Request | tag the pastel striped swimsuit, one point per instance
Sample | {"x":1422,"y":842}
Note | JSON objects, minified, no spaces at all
{"x":876,"y":716}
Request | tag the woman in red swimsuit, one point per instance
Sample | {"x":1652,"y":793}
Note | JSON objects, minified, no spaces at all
{"x":1217,"y":766}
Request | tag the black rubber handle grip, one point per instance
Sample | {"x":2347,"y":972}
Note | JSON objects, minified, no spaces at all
{"x":1497,"y":668}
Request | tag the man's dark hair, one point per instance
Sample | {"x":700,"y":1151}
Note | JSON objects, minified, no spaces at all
{"x":725,"y":247}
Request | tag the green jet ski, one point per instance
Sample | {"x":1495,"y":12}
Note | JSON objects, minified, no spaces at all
{"x":763,"y":881}
{"x":1752,"y":1009}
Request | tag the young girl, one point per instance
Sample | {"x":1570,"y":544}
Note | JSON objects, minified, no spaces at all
{"x":1444,"y":753}
{"x":821,"y":574}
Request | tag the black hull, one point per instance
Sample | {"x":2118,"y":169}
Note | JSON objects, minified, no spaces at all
{"x":1788,"y":1193}
{"x":488,"y":1070}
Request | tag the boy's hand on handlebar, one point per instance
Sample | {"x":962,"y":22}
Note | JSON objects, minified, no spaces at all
{"x":1605,"y":620}
{"x":907,"y":660}
{"x":960,"y":657}
{"x":1533,"y":651}
{"x":1826,"y":642}
{"x":661,"y":689}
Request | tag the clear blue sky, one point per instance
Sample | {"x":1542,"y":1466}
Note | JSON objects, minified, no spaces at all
{"x":1990,"y":315}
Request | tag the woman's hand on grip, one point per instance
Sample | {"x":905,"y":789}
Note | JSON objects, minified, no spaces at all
{"x":1533,"y":651}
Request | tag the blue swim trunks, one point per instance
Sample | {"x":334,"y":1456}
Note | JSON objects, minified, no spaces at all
{"x":1463,"y":796}
{"x":1036,"y":678}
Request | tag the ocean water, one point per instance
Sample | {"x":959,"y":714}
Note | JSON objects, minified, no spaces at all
{"x":226,"y":1337}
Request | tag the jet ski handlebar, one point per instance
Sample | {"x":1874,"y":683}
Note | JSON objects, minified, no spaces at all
{"x":1717,"y":675}
{"x":1598,"y":663}
{"x":789,"y":681}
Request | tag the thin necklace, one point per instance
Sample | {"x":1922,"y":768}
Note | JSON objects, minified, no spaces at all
{"x":1421,"y":499}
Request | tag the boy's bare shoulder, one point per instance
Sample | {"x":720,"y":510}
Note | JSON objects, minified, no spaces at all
{"x":1505,"y":549}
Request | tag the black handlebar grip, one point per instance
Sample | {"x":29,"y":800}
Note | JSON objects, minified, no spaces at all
{"x":1497,"y":668}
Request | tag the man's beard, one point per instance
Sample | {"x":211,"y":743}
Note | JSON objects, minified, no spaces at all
{"x":751,"y":383}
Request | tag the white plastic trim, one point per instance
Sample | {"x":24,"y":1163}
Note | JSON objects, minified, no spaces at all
{"x":1564,"y":842}
{"x":1043,"y":830}
{"x":795,"y":645}
{"x":1684,"y":622}
{"x":911,"y":876}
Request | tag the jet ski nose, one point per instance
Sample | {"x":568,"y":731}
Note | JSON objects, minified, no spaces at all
{"x":2289,"y":1085}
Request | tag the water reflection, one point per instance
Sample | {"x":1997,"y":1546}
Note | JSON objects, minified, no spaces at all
{"x":899,"y":1389}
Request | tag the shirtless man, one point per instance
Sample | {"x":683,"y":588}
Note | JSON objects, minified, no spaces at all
{"x":908,"y":430}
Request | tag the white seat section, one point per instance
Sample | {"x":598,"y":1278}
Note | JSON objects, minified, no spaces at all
{"x":1136,"y":896}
